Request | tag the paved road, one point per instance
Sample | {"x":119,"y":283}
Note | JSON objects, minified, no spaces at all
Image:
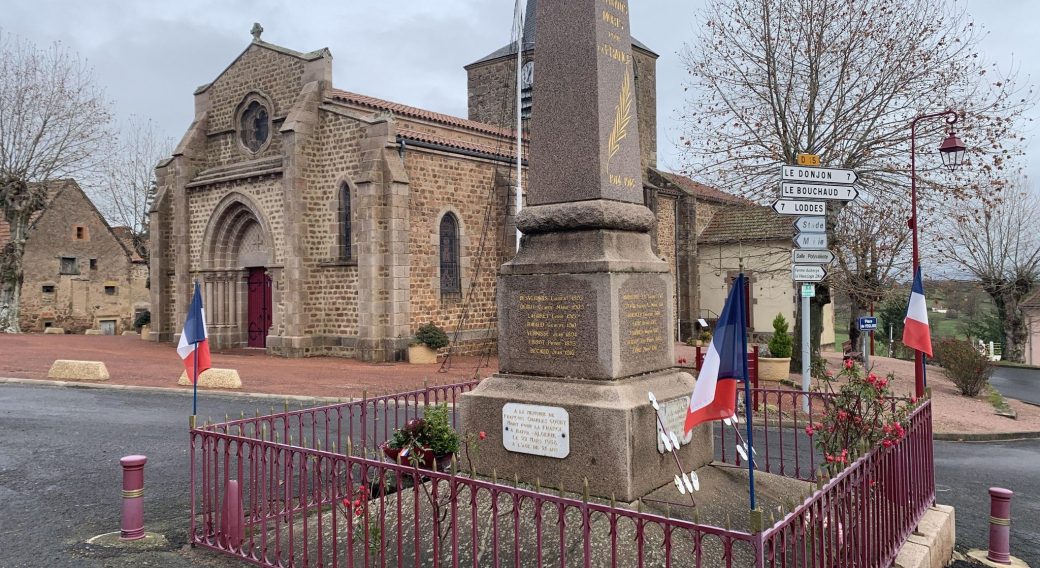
{"x":60,"y":478}
{"x":965,"y":471}
{"x":1015,"y":382}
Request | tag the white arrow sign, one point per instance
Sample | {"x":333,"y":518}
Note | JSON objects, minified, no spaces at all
{"x":807,"y":273}
{"x":814,"y":241}
{"x":810,"y":224}
{"x":803,"y":256}
{"x":819,"y":175}
{"x":791,"y":207}
{"x":800,"y":190}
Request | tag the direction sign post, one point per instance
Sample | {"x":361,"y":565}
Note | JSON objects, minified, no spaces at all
{"x":796,"y":207}
{"x":811,"y":224}
{"x":868,"y":325}
{"x":818,"y":175}
{"x":808,"y":273}
{"x":804,"y":256}
{"x":813,"y":241}
{"x":799,"y":190}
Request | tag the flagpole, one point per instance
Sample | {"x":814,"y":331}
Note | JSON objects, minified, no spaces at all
{"x":747,"y":395}
{"x":195,"y":385}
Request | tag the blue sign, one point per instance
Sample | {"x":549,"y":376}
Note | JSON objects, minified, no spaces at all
{"x":867,"y":324}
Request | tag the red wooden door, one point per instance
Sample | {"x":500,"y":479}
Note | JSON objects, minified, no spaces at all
{"x":259,"y":307}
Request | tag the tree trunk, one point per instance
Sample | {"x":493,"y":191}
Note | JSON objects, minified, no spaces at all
{"x":11,"y":271}
{"x":1015,"y":333}
{"x":854,"y":333}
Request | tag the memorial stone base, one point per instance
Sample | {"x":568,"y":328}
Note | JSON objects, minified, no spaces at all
{"x":564,"y":430}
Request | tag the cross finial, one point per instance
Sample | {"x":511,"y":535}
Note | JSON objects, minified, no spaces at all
{"x":256,"y":31}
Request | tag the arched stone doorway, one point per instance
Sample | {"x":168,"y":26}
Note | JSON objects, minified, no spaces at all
{"x":238,"y":291}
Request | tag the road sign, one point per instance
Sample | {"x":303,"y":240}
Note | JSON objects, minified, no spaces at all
{"x":808,"y":290}
{"x":792,"y":207}
{"x":867,"y":324}
{"x":806,"y":256}
{"x":811,"y":224}
{"x":800,"y":190}
{"x":808,"y":160}
{"x":813,"y":241}
{"x":818,"y":175}
{"x":807,"y":273}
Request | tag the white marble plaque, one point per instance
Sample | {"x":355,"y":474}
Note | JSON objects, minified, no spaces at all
{"x":538,"y":430}
{"x":673,"y":413}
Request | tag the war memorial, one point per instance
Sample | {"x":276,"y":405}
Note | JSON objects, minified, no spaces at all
{"x":561,"y":458}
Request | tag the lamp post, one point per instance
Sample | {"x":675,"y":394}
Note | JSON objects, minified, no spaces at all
{"x":952,"y":152}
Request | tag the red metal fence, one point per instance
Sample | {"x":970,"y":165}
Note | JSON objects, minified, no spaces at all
{"x":306,"y":488}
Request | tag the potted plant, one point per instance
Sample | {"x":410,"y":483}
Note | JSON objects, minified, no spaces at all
{"x":423,"y":441}
{"x":704,"y":338}
{"x":777,"y":366}
{"x":423,"y":349}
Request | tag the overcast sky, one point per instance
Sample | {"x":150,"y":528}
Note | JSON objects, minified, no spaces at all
{"x":152,"y":55}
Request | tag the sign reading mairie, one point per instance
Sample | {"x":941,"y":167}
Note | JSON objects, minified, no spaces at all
{"x":592,"y":69}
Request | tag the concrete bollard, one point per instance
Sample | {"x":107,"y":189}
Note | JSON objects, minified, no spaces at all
{"x":133,"y":497}
{"x":999,"y":525}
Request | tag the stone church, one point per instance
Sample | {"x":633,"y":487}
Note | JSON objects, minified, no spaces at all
{"x":325,"y":222}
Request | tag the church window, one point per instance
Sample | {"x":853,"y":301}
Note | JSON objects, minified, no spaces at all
{"x":255,"y":126}
{"x":451,"y":281}
{"x":345,"y":222}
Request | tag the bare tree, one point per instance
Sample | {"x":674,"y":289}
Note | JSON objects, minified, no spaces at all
{"x":53,"y":122}
{"x":841,"y":79}
{"x":127,"y":186}
{"x":997,"y":242}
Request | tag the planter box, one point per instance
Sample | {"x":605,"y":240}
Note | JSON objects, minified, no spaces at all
{"x":774,"y":368}
{"x":421,"y":355}
{"x":146,"y":331}
{"x":427,"y":459}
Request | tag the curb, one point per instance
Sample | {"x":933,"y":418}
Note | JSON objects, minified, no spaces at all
{"x":993,"y":437}
{"x":163,"y":390}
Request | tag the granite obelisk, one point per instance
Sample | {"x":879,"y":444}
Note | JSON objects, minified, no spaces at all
{"x":586,"y":307}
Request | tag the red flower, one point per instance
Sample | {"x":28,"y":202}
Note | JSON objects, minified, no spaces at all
{"x":483,"y":435}
{"x":346,"y":502}
{"x":871,"y":378}
{"x":809,"y":430}
{"x":887,"y":443}
{"x":848,"y":364}
{"x":830,"y":373}
{"x":830,"y":459}
{"x":882,"y":382}
{"x":358,"y":512}
{"x":913,"y":400}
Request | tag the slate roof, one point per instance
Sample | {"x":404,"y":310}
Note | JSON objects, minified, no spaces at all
{"x":415,"y":112}
{"x":746,"y":224}
{"x":1032,"y":301}
{"x":530,"y":23}
{"x":504,"y":151}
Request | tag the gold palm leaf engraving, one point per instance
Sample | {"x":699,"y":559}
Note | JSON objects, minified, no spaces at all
{"x":622,"y":116}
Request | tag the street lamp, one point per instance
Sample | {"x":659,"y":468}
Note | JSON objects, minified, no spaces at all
{"x":952,"y":152}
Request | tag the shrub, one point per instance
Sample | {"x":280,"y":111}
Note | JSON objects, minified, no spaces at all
{"x":705,"y":336}
{"x":144,"y":319}
{"x":780,"y":344}
{"x":432,"y":336}
{"x":966,"y":367}
{"x":433,"y":432}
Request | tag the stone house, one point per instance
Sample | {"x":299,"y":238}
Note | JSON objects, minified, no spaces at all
{"x":79,"y":273}
{"x":755,"y":238}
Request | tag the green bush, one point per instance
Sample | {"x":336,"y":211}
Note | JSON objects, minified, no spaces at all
{"x":780,"y":344}
{"x":969,"y":369}
{"x":432,"y":336}
{"x":142,"y":320}
{"x":705,"y":336}
{"x":433,"y":432}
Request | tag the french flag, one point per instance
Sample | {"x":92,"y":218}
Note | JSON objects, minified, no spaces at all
{"x":194,"y":345}
{"x":725,"y":363}
{"x":916,"y":333}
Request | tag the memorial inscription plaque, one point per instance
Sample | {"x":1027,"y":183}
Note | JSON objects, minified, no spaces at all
{"x":644,"y":323}
{"x":673,"y":414}
{"x":538,"y":430}
{"x":551,"y":332}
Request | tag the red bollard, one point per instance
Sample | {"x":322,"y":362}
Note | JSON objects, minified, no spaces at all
{"x":999,"y":525}
{"x":133,"y":497}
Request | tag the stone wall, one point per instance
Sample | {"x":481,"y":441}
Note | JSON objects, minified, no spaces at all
{"x":443,"y":183}
{"x":646,"y":106}
{"x":104,"y":285}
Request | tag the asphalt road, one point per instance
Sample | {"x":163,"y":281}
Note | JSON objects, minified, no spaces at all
{"x":60,"y":479}
{"x":964,"y":472}
{"x":1016,"y":382}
